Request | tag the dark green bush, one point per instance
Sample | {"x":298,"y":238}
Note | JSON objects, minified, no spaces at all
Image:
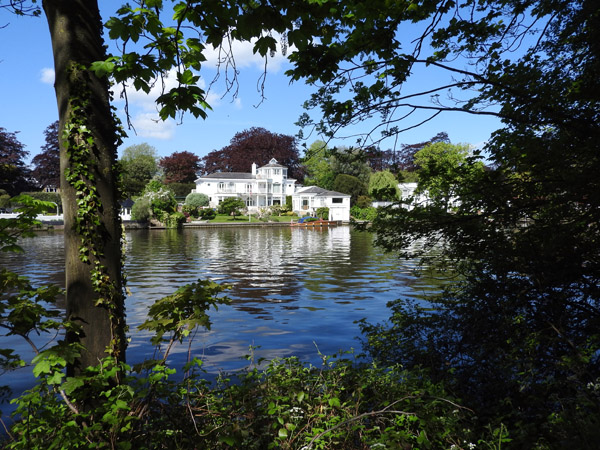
{"x":207,"y":213}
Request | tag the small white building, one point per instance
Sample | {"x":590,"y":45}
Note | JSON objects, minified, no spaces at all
{"x":307,"y":200}
{"x":408,"y":190}
{"x":263,"y":187}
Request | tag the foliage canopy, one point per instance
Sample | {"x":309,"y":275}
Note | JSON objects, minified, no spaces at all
{"x":138,"y":166}
{"x":255,"y":145}
{"x":14,"y":174}
{"x":46,"y":170}
{"x":180,"y":167}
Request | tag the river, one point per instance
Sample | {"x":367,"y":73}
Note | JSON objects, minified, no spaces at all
{"x":294,"y":291}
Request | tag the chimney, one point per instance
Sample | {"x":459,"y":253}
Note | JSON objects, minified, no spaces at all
{"x":253,"y":168}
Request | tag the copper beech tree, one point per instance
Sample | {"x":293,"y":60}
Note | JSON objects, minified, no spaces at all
{"x":255,"y":145}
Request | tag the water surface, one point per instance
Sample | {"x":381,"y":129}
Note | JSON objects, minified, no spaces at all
{"x":295,"y":291}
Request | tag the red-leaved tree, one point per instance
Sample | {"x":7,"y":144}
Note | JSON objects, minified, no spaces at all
{"x":46,"y":165}
{"x":14,"y":174}
{"x":180,"y":167}
{"x":256,"y":145}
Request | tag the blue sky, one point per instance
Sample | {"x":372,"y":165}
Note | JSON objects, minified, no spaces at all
{"x":29,"y":105}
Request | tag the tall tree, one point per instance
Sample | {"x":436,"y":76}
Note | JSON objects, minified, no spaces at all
{"x":180,"y":167}
{"x":383,"y":185}
{"x":443,"y":169}
{"x":406,"y":155}
{"x":317,"y":166}
{"x":256,"y":145}
{"x":14,"y":174}
{"x":139,"y":163}
{"x":351,"y":185}
{"x":350,"y":161}
{"x":88,"y":138}
{"x":46,"y":164}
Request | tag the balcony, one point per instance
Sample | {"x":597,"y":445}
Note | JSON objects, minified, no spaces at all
{"x":226,"y":190}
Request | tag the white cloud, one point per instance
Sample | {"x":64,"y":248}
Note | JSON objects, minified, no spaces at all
{"x":150,"y":126}
{"x":147,"y":102}
{"x":144,"y":111}
{"x":47,"y":75}
{"x":244,"y":56}
{"x":143,"y":101}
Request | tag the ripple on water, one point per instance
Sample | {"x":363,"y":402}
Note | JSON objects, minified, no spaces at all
{"x":293,"y":290}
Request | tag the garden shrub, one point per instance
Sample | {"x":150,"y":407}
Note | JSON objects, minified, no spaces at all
{"x":196,"y":200}
{"x":189,"y":210}
{"x":231,"y":206}
{"x":364,"y":201}
{"x":141,"y":210}
{"x":207,"y":213}
{"x":171,"y":220}
{"x":323,"y":213}
{"x":363,"y":213}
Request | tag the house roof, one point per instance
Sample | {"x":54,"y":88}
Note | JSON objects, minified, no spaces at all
{"x":272,"y":163}
{"x":230,"y":175}
{"x":320,"y":192}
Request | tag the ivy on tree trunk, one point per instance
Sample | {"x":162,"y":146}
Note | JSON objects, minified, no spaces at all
{"x":89,"y":136}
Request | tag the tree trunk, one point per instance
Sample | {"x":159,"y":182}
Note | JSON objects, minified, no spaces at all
{"x":88,"y":150}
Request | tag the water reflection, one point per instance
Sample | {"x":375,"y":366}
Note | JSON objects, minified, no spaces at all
{"x":293,"y":289}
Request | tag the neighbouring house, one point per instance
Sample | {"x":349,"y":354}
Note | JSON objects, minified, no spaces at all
{"x":126,"y":206}
{"x":407,"y":190}
{"x":306,"y":200}
{"x":265,"y":186}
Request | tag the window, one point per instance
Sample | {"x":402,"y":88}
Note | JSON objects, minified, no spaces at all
{"x":276,"y":188}
{"x":221,"y":186}
{"x":337,"y":200}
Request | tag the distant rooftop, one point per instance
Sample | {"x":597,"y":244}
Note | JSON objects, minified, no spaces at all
{"x":320,"y":191}
{"x":230,"y":175}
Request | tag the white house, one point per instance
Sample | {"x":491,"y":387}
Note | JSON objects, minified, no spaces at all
{"x":268,"y":186}
{"x":307,"y":200}
{"x":264,"y":186}
{"x":422,"y":199}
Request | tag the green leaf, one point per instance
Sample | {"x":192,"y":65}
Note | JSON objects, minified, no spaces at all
{"x":102,"y":68}
{"x":334,"y":402}
{"x":41,"y":367}
{"x":229,"y":440}
{"x":71,"y":384}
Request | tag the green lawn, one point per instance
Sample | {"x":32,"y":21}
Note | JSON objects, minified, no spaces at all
{"x":223,"y":218}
